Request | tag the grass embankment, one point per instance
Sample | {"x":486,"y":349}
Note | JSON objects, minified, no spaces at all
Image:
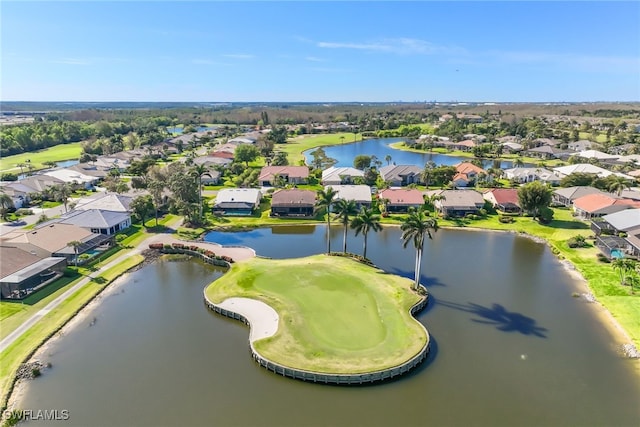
{"x":25,"y":345}
{"x":57,"y":153}
{"x":467,"y":154}
{"x":336,"y":315}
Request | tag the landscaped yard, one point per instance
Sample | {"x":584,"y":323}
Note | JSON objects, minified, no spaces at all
{"x":336,"y":315}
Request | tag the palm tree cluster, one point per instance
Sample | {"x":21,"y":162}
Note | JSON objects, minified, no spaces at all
{"x":416,"y":227}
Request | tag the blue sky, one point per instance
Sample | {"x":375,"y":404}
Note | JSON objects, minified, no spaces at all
{"x":320,"y":51}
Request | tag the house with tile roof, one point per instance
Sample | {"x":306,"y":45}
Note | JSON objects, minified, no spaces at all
{"x":95,"y":220}
{"x":596,"y":205}
{"x":269,"y":175}
{"x":467,"y":174}
{"x":504,"y":199}
{"x":566,"y":196}
{"x":293,"y":202}
{"x":401,"y":199}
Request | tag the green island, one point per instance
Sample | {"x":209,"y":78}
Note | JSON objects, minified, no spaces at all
{"x":337,"y":315}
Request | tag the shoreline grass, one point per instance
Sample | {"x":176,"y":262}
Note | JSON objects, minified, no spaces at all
{"x":296,"y":146}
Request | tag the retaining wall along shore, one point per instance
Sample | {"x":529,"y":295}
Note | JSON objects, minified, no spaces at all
{"x":327,"y":378}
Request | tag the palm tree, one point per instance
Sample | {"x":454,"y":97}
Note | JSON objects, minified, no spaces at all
{"x":430,"y":201}
{"x":345,"y":209}
{"x":414,"y":228}
{"x":518,"y":163}
{"x":618,"y":185}
{"x":75,"y":244}
{"x":364,"y":222}
{"x":62,"y":193}
{"x":387,"y":158}
{"x":6,"y":203}
{"x":624,"y":266}
{"x":199,"y":171}
{"x":326,"y":198}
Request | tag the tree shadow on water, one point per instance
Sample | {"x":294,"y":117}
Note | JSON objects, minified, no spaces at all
{"x":498,"y":316}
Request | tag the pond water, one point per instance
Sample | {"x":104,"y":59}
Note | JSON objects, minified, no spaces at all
{"x":510,"y":346}
{"x":379,"y":147}
{"x":179,"y":129}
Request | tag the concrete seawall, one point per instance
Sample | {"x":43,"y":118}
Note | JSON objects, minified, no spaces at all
{"x":327,"y":378}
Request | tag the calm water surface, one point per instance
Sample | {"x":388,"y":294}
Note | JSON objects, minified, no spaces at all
{"x":379,"y":147}
{"x":511,"y":347}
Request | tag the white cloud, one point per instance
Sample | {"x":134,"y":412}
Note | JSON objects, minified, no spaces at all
{"x":400,"y":46}
{"x":72,"y":61}
{"x":314,"y":59}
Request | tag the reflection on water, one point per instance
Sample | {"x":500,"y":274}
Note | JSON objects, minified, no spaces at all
{"x":510,"y":347}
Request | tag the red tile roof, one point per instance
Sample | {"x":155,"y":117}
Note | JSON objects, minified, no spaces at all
{"x":597,"y":201}
{"x":466,"y":167}
{"x":505,"y":195}
{"x":402,"y":196}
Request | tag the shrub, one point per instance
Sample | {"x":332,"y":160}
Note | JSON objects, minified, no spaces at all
{"x":167,"y":246}
{"x":506,"y":219}
{"x":603,"y":258}
{"x":24,"y":211}
{"x":156,"y":246}
{"x":578,"y":241}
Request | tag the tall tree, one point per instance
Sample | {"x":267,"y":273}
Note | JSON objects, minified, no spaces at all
{"x":345,"y":210}
{"x":142,"y":206}
{"x":246,"y":153}
{"x":415,"y":228}
{"x":156,"y":187}
{"x":364,"y":222}
{"x":198,"y":172}
{"x":325,"y":200}
{"x":534,"y":198}
{"x":387,"y":158}
{"x":75,"y":244}
{"x":618,"y":184}
{"x":62,"y":192}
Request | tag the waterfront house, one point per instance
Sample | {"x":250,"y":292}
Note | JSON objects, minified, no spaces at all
{"x":270,"y":175}
{"x":22,"y":273}
{"x":53,"y":240}
{"x":361,"y":194}
{"x":95,"y":220}
{"x":596,"y":205}
{"x":566,"y":196}
{"x":588,"y":168}
{"x":237,"y":201}
{"x":293,"y":203}
{"x":340,"y":175}
{"x":504,"y":199}
{"x":550,"y":152}
{"x":401,"y":199}
{"x":458,"y":203}
{"x":106,"y":201}
{"x":525,"y":175}
{"x":401,"y":175}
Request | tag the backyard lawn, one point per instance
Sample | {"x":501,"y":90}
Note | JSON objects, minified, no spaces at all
{"x":336,"y":315}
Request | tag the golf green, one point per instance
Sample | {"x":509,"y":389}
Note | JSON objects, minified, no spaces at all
{"x":336,"y":315}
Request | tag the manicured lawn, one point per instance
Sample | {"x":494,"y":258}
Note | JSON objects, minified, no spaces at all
{"x":53,"y":154}
{"x":295,"y":146}
{"x":336,"y":315}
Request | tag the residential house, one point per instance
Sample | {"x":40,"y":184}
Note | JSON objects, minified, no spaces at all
{"x":361,"y":194}
{"x":237,"y":201}
{"x":401,"y":199}
{"x":618,"y":233}
{"x":596,"y":205}
{"x":271,"y":175}
{"x":597,"y":155}
{"x":210,"y":161}
{"x":525,"y":175}
{"x":53,"y":240}
{"x":566,"y":196}
{"x":549,"y":152}
{"x":458,"y":203}
{"x":504,"y":199}
{"x":340,"y":175}
{"x":20,"y":194}
{"x":95,"y":220}
{"x":623,"y":149}
{"x":588,"y":168}
{"x":73,"y":177}
{"x":467,"y":174}
{"x":40,"y":183}
{"x":106,"y":201}
{"x":90,"y":169}
{"x":511,"y":147}
{"x":582,"y":145}
{"x":401,"y":175}
{"x":242,"y":140}
{"x":22,"y":273}
{"x":212,"y":177}
{"x":293,"y":203}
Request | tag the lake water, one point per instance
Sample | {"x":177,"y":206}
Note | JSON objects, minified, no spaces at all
{"x":179,"y":129}
{"x":379,"y":147}
{"x":511,"y":347}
